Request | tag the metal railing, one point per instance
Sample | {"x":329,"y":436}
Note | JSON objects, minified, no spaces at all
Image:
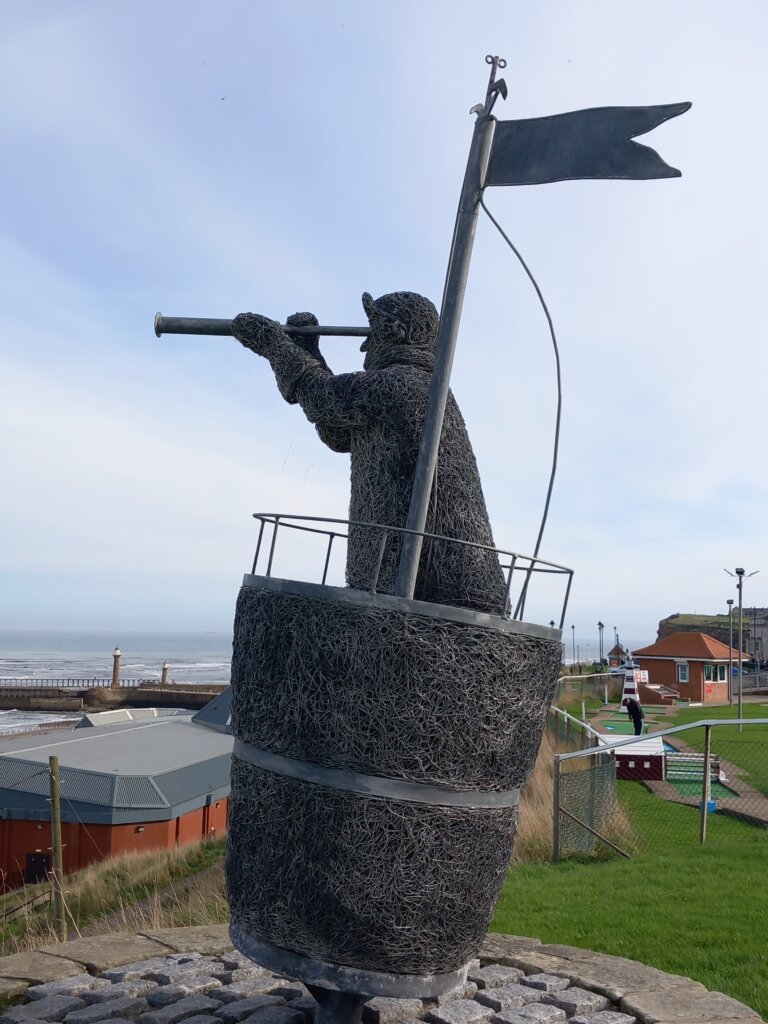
{"x":525,"y":565}
{"x":755,"y":682}
{"x":570,"y":725}
{"x":22,"y":909}
{"x":600,"y":685}
{"x":69,"y":683}
{"x":24,"y":730}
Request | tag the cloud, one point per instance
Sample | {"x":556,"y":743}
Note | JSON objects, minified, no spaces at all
{"x":334,"y":166}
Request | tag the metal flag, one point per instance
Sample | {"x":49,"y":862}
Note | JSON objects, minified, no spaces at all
{"x":594,"y":143}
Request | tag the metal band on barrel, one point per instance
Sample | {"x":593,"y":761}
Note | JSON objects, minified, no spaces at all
{"x":372,"y":785}
{"x":313,"y":971}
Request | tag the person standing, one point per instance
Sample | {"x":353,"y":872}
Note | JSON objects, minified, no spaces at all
{"x":635,"y":712}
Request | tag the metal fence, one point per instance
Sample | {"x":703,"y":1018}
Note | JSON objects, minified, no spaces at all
{"x":22,"y":683}
{"x":573,"y":691}
{"x":755,"y":682}
{"x":697,"y":783}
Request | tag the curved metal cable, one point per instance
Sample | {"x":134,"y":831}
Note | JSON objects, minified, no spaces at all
{"x":556,"y":445}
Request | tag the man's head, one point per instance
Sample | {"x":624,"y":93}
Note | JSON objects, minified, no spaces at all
{"x":400,"y":318}
{"x":625,"y":702}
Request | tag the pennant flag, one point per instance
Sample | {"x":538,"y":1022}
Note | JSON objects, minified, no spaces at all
{"x":595,"y":143}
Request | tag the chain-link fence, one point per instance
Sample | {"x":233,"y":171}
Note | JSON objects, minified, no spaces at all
{"x":587,"y":691}
{"x":703,"y":782}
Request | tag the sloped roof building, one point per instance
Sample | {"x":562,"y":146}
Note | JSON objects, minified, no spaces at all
{"x":125,"y":785}
{"x":695,"y":665}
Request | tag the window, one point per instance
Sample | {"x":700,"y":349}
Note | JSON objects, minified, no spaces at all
{"x":682,"y":672}
{"x":721,"y":673}
{"x":709,"y":673}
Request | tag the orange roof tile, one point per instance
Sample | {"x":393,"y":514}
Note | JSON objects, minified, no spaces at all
{"x":693,"y":646}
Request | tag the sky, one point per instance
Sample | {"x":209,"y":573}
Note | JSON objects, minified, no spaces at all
{"x":208,"y":158}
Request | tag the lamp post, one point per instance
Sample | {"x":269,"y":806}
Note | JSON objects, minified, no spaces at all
{"x":600,"y":628}
{"x":729,"y":602}
{"x":754,"y":637}
{"x":573,"y":647}
{"x":740,"y":575}
{"x":578,"y":658}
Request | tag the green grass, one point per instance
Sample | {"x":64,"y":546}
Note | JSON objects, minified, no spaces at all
{"x":703,"y":623}
{"x":676,"y":905}
{"x":747,"y":749}
{"x":623,"y":729}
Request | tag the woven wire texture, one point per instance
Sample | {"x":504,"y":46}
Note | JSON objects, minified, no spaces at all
{"x":389,"y":692}
{"x":377,"y":416}
{"x":382,"y":885}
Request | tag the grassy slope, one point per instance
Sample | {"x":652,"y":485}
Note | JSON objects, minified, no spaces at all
{"x":706,"y":623}
{"x":110,"y":890}
{"x":676,"y":905}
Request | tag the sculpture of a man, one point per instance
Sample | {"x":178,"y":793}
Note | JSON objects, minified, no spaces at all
{"x":377,"y":416}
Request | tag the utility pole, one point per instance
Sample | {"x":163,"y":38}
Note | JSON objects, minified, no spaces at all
{"x":59,"y":915}
{"x":450,"y":315}
{"x":730,"y":650}
{"x":740,"y":575}
{"x":600,"y":628}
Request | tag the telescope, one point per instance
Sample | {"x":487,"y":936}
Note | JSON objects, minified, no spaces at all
{"x":208,"y":325}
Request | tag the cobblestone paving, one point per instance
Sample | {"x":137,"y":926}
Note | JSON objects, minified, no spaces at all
{"x":210,"y":985}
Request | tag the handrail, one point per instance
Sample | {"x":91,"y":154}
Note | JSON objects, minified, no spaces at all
{"x":66,"y":682}
{"x":659,"y":735}
{"x":16,"y":911}
{"x":532,"y":563}
{"x":572,"y":718}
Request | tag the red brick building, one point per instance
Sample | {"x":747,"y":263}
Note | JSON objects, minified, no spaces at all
{"x":695,"y":665}
{"x":145,"y":780}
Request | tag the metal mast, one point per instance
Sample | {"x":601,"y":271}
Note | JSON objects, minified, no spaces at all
{"x":450,"y":316}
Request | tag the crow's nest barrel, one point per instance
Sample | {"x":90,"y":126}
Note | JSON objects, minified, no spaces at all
{"x":380,"y":745}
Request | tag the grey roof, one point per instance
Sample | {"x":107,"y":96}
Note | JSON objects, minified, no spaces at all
{"x":121,"y":715}
{"x":139,"y":771}
{"x":217,"y":713}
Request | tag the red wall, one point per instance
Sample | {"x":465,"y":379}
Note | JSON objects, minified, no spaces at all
{"x":84,"y":844}
{"x":664,"y":672}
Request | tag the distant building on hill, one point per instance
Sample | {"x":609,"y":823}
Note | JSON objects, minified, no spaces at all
{"x":130,"y":781}
{"x":695,"y":665}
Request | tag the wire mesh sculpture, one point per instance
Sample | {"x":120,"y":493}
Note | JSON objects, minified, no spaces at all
{"x":377,"y":415}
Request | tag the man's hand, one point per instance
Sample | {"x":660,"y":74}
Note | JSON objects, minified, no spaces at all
{"x":310,"y":343}
{"x":257,"y":333}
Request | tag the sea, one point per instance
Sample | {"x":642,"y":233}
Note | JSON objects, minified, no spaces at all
{"x":28,"y":655}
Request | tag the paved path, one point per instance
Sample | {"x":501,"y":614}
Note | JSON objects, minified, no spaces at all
{"x":192,"y":976}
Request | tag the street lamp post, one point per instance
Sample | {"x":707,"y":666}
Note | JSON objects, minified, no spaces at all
{"x":754,"y":637}
{"x":730,"y":650}
{"x":740,"y":575}
{"x":573,"y":647}
{"x":578,"y":657}
{"x":600,"y":628}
